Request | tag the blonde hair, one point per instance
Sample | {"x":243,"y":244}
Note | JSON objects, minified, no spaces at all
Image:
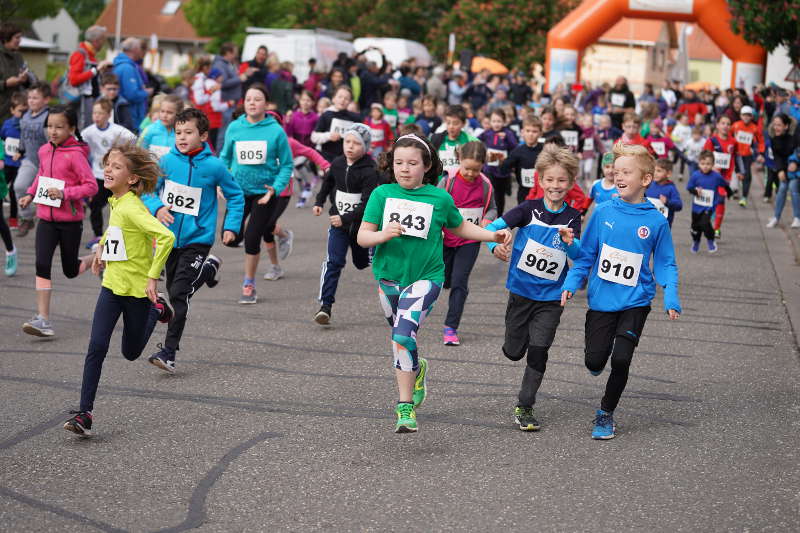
{"x":557,"y":156}
{"x":140,"y":163}
{"x":155,"y":107}
{"x":644,"y":160}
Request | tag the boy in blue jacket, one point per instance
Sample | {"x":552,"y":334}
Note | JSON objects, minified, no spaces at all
{"x":10,"y":133}
{"x":662,"y":193}
{"x":619,"y":240}
{"x":704,"y":186}
{"x":185,"y":201}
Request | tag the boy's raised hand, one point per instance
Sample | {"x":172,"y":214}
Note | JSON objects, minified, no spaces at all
{"x":567,"y":235}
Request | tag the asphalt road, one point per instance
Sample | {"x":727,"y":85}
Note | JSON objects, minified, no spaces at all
{"x":275,"y":424}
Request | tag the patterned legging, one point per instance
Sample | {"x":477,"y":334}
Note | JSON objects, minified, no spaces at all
{"x":405,"y":308}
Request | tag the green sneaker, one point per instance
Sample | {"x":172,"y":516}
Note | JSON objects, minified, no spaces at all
{"x":406,"y":418}
{"x":524,"y":417}
{"x":421,"y":384}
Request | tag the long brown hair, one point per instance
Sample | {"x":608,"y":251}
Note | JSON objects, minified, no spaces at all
{"x":140,"y":163}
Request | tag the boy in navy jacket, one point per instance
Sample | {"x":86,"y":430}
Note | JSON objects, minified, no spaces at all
{"x":619,"y":240}
{"x":662,"y":193}
{"x":704,"y":186}
{"x":185,"y":201}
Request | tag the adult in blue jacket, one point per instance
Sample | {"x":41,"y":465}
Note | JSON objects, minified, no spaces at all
{"x":131,"y":84}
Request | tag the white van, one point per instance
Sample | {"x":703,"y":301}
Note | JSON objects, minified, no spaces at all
{"x":298,"y":46}
{"x":395,"y":50}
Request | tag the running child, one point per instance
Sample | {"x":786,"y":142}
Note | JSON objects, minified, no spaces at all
{"x":130,"y":267}
{"x":5,"y":232}
{"x":10,"y":133}
{"x":681,"y":135}
{"x":548,"y":234}
{"x":159,"y":137}
{"x":33,"y":135}
{"x":723,"y":146}
{"x":704,"y":186}
{"x":303,"y":120}
{"x":120,"y":110}
{"x":64,"y":179}
{"x":604,"y":189}
{"x":592,"y":145}
{"x":631,"y":126}
{"x":694,"y":147}
{"x":446,"y":143}
{"x":616,"y":250}
{"x":789,"y":181}
{"x":404,"y":221}
{"x":380,"y":131}
{"x":348,"y":185}
{"x":473,"y":195}
{"x":257,"y":151}
{"x":662,"y":192}
{"x":101,"y":136}
{"x":660,"y":142}
{"x":185,"y":201}
{"x":749,"y":143}
{"x":499,"y":141}
{"x":522,"y":159}
{"x":333,"y":123}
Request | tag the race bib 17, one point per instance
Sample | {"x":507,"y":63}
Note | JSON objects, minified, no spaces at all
{"x":414,"y":217}
{"x":41,"y":196}
{"x":114,"y":245}
{"x":618,"y":100}
{"x":619,"y":266}
{"x":251,"y":152}
{"x":182,"y":198}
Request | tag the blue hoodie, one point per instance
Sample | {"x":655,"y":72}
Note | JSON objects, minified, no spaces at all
{"x":131,"y":87}
{"x":711,"y":181}
{"x":276,"y":171}
{"x":11,"y":130}
{"x":668,"y":189}
{"x":616,"y":232}
{"x":206,"y":172}
{"x":156,"y":134}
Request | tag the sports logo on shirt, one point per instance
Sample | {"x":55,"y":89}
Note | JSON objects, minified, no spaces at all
{"x":643,"y":232}
{"x":557,"y":244}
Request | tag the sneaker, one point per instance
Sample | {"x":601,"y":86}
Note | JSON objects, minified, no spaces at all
{"x":285,"y":245}
{"x":743,"y":202}
{"x":604,"y":427}
{"x":80,"y":424}
{"x":695,"y":247}
{"x":13,"y":223}
{"x":163,"y":305}
{"x":11,"y":262}
{"x":38,"y":327}
{"x":524,"y":417}
{"x":718,"y":234}
{"x":767,"y":200}
{"x":248,"y":295}
{"x":275,"y":273}
{"x":25,"y":225}
{"x":90,"y":245}
{"x":795,"y":223}
{"x":163,"y":359}
{"x":323,"y":316}
{"x":216,"y":263}
{"x":450,"y":337}
{"x":772,"y":222}
{"x":406,"y":418}
{"x":595,"y":373}
{"x":301,"y":203}
{"x":421,"y":383}
{"x":712,"y":247}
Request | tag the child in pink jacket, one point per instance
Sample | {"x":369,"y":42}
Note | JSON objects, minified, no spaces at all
{"x":63,"y":181}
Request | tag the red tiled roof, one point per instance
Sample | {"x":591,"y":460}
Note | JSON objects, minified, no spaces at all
{"x":701,"y":46}
{"x":639,"y":31}
{"x":141,"y":18}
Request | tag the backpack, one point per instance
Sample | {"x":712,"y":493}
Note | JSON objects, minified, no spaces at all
{"x":488,"y":190}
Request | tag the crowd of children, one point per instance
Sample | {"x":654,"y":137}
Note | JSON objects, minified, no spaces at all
{"x":414,"y":185}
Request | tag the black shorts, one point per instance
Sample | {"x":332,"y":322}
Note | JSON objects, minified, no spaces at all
{"x":529,"y":323}
{"x":603,"y":326}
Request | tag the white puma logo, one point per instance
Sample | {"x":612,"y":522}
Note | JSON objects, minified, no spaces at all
{"x":609,"y":224}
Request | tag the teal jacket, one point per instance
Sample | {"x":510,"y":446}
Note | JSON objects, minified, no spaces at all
{"x":276,"y":171}
{"x":156,"y":134}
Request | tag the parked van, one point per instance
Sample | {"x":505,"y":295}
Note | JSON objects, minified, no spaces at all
{"x":298,"y":46}
{"x":395,"y":50}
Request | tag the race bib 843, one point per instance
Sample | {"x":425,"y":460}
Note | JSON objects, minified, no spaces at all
{"x":414,"y":217}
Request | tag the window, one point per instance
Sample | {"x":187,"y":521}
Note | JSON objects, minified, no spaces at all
{"x":171,"y":7}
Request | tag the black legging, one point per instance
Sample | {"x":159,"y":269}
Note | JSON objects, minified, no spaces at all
{"x":272,"y":221}
{"x":96,"y":205}
{"x":255,"y":223}
{"x":11,"y":176}
{"x":5,"y":233}
{"x":65,"y":235}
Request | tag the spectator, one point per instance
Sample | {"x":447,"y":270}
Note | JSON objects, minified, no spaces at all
{"x":622,"y":101}
{"x":521,"y":92}
{"x":435,"y":86}
{"x":373,"y":81}
{"x":231,"y":85}
{"x":456,"y":88}
{"x":83,"y":72}
{"x":14,"y":74}
{"x":281,"y":91}
{"x":254,"y":70}
{"x":131,"y":83}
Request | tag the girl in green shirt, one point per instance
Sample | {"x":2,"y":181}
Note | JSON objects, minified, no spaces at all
{"x":131,"y":268}
{"x":403,"y":220}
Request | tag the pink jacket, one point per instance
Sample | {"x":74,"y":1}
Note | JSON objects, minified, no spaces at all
{"x":68,"y":161}
{"x":299,"y":149}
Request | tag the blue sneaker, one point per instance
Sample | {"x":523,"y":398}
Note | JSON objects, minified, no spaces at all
{"x":695,"y":247}
{"x":163,"y":359}
{"x":712,"y":246}
{"x":604,"y":427}
{"x":595,"y":372}
{"x":11,"y":262}
{"x":91,"y":243}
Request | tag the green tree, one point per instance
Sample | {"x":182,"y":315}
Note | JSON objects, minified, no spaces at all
{"x":768,"y":24}
{"x":226,"y":20}
{"x":85,"y":12}
{"x":408,"y":20}
{"x":28,"y":10}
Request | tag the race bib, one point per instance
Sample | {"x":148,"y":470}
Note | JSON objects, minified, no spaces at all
{"x":159,"y":151}
{"x":527,"y":177}
{"x":495,"y":157}
{"x":542,"y":261}
{"x":664,"y":210}
{"x":706,"y":198}
{"x":340,"y":126}
{"x":182,"y":198}
{"x":722,"y":160}
{"x":588,"y":145}
{"x":744,"y":137}
{"x":403,"y":116}
{"x":41,"y":196}
{"x":377,"y":135}
{"x":659,"y":148}
{"x":391,"y":120}
{"x":251,"y":152}
{"x":473,"y":214}
{"x":449,"y":158}
{"x":617,"y":100}
{"x":414,"y":217}
{"x":114,"y":246}
{"x":570,"y":138}
{"x":346,"y":202}
{"x":619,"y":266}
{"x":12,"y":146}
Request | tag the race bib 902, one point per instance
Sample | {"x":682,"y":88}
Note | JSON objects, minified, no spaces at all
{"x":414,"y":217}
{"x":542,"y":261}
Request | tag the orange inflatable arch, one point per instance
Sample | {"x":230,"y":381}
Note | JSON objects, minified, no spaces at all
{"x":584,"y":25}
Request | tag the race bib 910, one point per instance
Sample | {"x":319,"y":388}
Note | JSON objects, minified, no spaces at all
{"x":617,"y":99}
{"x":251,"y":152}
{"x":41,"y":196}
{"x":182,"y":198}
{"x":346,"y":202}
{"x":414,"y":217}
{"x":619,"y":266}
{"x":542,"y":261}
{"x":114,"y":245}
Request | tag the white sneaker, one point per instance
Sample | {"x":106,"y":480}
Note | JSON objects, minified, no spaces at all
{"x":772,"y":222}
{"x":285,"y":245}
{"x":274,"y":274}
{"x":795,"y":222}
